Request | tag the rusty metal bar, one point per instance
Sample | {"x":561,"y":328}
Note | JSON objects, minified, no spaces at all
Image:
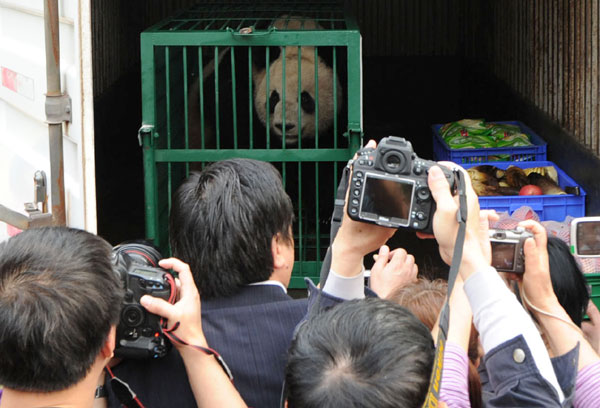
{"x":57,"y":177}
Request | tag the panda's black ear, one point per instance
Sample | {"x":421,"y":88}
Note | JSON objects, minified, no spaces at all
{"x":259,"y":56}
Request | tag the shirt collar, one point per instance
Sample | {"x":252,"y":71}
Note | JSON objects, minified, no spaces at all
{"x":270,"y":282}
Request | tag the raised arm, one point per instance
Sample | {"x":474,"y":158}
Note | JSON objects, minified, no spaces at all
{"x":562,"y":334}
{"x":497,"y":314}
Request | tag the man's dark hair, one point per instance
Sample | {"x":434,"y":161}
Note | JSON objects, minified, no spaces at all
{"x":568,"y":281}
{"x":59,"y":298}
{"x":223,"y":220}
{"x":361,"y":353}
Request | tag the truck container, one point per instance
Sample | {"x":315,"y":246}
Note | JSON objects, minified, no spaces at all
{"x":424,"y":62}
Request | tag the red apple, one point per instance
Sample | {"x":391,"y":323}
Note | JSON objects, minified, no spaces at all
{"x":530,"y":189}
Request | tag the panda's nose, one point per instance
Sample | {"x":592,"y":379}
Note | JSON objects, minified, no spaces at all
{"x":288,"y":126}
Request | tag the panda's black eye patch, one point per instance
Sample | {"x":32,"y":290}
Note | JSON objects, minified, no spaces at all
{"x":307,"y":102}
{"x":273,"y":100}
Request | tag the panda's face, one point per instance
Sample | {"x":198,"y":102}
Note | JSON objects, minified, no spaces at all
{"x":301,"y":104}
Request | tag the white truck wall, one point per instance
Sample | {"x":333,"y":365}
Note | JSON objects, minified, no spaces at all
{"x":23,"y":132}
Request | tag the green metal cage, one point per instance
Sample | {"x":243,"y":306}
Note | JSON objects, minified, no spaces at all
{"x":201,"y":103}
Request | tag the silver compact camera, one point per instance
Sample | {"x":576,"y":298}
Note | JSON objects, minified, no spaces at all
{"x":507,"y":249}
{"x":585,"y":237}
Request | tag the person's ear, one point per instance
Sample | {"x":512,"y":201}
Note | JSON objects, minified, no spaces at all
{"x":108,"y":348}
{"x":277,"y":250}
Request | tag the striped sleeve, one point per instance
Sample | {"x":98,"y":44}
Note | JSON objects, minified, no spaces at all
{"x":454,"y":390}
{"x":587,"y":386}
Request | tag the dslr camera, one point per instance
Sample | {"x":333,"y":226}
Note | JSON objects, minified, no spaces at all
{"x":389,"y":186}
{"x":507,"y":249}
{"x":139,"y":333}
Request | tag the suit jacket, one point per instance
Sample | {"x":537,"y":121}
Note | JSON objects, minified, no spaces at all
{"x":252,"y":331}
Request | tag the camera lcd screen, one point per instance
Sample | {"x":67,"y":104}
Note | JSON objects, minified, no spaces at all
{"x":385,"y":198}
{"x":503,"y":255}
{"x":588,"y":238}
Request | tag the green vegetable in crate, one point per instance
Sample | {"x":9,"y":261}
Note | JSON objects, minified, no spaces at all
{"x":488,"y":180}
{"x":477,"y":134}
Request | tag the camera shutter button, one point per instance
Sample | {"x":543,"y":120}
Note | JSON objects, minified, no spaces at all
{"x":423,"y":193}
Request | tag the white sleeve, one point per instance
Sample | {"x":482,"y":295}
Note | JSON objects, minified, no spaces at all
{"x":499,"y":317}
{"x":344,"y":287}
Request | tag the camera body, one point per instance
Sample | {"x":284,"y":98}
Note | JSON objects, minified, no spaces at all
{"x":138,"y":333}
{"x":389,"y":186}
{"x":507,"y":249}
{"x":585,"y":237}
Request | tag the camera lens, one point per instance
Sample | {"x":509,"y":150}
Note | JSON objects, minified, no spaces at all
{"x":393,"y":162}
{"x":132,"y":315}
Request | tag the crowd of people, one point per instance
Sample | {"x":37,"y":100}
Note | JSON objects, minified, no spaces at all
{"x":513,"y":340}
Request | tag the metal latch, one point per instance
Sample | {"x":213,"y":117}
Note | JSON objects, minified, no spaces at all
{"x":36,"y":217}
{"x":145,"y":129}
{"x":58,"y":109}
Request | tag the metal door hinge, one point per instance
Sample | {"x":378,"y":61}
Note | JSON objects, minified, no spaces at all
{"x":58,"y":109}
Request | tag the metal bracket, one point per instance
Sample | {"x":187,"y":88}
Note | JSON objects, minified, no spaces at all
{"x":35,"y":218}
{"x":58,"y":109}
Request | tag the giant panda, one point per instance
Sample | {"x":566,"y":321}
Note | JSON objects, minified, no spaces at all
{"x":307,"y":128}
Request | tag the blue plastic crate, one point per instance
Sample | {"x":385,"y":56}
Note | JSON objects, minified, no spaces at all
{"x":537,"y":151}
{"x":548,"y":207}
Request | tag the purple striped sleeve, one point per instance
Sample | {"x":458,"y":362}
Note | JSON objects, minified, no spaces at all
{"x":454,"y":390}
{"x":587,"y":386}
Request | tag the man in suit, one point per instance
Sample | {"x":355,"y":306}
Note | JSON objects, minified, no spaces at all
{"x":232,"y":223}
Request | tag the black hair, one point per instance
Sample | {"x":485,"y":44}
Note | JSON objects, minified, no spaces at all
{"x":361,"y":353}
{"x":59,"y":298}
{"x":568,"y":281}
{"x":223,"y":220}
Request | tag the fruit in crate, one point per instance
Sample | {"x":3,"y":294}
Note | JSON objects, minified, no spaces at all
{"x":530,"y":189}
{"x":489,"y":180}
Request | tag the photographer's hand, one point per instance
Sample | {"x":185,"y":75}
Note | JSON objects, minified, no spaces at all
{"x":392,"y":270}
{"x":445,"y":225}
{"x":209,"y":382}
{"x":355,"y":240}
{"x":591,"y":329}
{"x":562,"y":334}
{"x":187,"y":310}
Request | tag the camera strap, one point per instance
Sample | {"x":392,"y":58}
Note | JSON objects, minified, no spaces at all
{"x":433,"y":394}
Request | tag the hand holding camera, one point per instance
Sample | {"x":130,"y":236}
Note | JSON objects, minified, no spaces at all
{"x":139,"y":333}
{"x":389,"y":186}
{"x":186,"y":311}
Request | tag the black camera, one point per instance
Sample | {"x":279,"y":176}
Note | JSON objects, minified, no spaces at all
{"x":389,"y":186}
{"x":139,"y":333}
{"x":507,"y":249}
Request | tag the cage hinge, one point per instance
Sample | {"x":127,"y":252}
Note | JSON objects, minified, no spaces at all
{"x":58,"y":109}
{"x":355,"y":138}
{"x":145,"y":130}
